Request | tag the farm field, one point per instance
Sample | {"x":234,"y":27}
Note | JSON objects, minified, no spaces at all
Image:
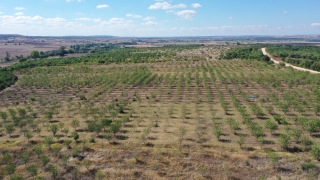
{"x":188,"y":116}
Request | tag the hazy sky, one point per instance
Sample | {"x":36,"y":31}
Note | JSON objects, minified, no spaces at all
{"x":160,"y":17}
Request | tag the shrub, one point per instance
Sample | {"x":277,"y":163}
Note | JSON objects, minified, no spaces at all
{"x":16,"y":177}
{"x":75,"y":136}
{"x":282,"y":64}
{"x":271,"y":126}
{"x":306,"y":142}
{"x":296,"y":134}
{"x":32,"y":169}
{"x":274,"y":158}
{"x":217,"y":131}
{"x":284,"y":141}
{"x":280,"y":119}
{"x":241,"y":141}
{"x":92,"y":140}
{"x":315,"y":151}
{"x":10,"y":169}
{"x":82,"y":97}
{"x":44,"y":159}
{"x":308,"y":165}
{"x":53,"y":169}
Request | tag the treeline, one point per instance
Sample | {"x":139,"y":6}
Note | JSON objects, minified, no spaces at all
{"x":309,"y":64}
{"x":130,"y":55}
{"x":102,"y":55}
{"x":78,"y":48}
{"x":7,"y":78}
{"x":295,"y":52}
{"x":249,"y":52}
{"x":303,"y":56}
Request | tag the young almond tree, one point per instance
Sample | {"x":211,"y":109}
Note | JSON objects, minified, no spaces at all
{"x":33,"y":170}
{"x":115,"y":127}
{"x":182,"y":133}
{"x":271,"y":126}
{"x":184,"y":112}
{"x":3,"y":116}
{"x":75,"y":136}
{"x":10,"y":129}
{"x":49,"y":114}
{"x":284,"y":141}
{"x":105,"y":123}
{"x":217,"y":131}
{"x":75,"y":123}
{"x":29,"y":135}
{"x":54,"y":129}
{"x":170,"y":111}
{"x":316,"y":108}
{"x":10,"y":169}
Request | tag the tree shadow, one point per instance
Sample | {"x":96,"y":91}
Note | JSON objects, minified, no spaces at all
{"x":33,"y":142}
{"x":15,"y":136}
{"x":80,"y":130}
{"x":316,"y":135}
{"x":240,"y":134}
{"x":225,"y":140}
{"x":148,"y":144}
{"x":101,"y":136}
{"x":250,"y":148}
{"x":190,"y":139}
{"x":123,"y":131}
{"x":114,"y":143}
{"x":263,"y":117}
{"x":284,"y":170}
{"x":54,"y":121}
{"x":206,"y":146}
{"x":276,"y":134}
{"x":294,"y":149}
{"x":128,"y":126}
{"x":268,"y":142}
{"x":152,"y":138}
{"x":122,"y":137}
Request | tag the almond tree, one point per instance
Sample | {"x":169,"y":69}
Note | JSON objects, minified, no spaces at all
{"x":271,"y":126}
{"x":182,"y":133}
{"x":10,"y":169}
{"x":3,"y":116}
{"x":29,"y":135}
{"x":54,"y":129}
{"x":184,"y":112}
{"x":10,"y":129}
{"x":75,"y":123}
{"x":33,"y":170}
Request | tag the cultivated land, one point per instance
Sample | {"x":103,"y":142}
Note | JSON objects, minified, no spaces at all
{"x":194,"y":117}
{"x":18,"y":45}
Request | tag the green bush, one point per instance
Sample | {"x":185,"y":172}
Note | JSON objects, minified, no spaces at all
{"x":308,"y":165}
{"x":315,"y":151}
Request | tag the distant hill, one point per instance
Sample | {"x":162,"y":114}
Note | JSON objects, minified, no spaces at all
{"x":6,"y":36}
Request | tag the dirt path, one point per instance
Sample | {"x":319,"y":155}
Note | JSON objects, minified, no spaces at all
{"x":287,"y":64}
{"x":7,"y":64}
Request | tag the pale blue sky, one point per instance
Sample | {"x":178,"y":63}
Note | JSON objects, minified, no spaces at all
{"x":147,"y":18}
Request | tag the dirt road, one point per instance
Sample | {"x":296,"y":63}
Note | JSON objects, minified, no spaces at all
{"x":287,"y":64}
{"x":7,"y":64}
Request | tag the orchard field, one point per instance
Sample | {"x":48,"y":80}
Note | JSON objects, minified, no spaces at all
{"x":181,"y":115}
